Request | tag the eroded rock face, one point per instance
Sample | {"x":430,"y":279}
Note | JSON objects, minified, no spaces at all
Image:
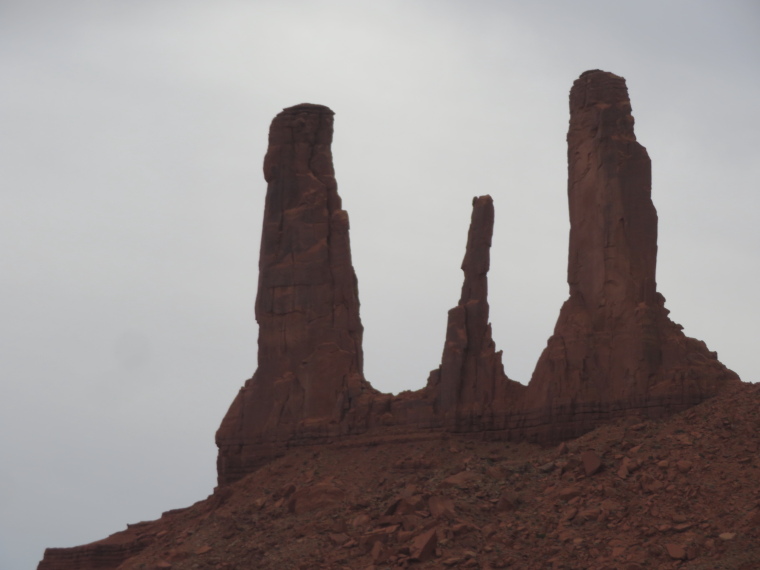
{"x":614,"y":349}
{"x":310,"y":335}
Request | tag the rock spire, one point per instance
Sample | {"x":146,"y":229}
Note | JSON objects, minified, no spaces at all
{"x":614,"y":349}
{"x":471,"y":378}
{"x":307,"y":306}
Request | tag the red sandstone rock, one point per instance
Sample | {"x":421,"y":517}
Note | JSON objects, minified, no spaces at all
{"x":676,"y":551}
{"x":591,"y":462}
{"x":508,"y":501}
{"x":441,"y":506}
{"x":463,"y":480}
{"x":423,"y":547}
{"x":614,"y":350}
{"x":309,"y":374}
{"x":470,"y":385}
{"x":684,"y":466}
{"x":315,"y":497}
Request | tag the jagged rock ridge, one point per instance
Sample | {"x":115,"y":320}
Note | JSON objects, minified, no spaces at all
{"x":614,"y":350}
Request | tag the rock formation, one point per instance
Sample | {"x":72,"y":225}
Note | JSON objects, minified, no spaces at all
{"x":614,"y":349}
{"x":470,"y":381}
{"x":310,"y":335}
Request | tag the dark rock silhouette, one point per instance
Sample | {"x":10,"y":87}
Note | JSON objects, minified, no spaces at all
{"x":614,"y":351}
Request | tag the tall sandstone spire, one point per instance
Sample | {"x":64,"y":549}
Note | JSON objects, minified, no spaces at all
{"x":471,"y":381}
{"x":307,"y":306}
{"x":614,"y":348}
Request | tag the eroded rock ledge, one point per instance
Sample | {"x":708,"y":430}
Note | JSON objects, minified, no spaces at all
{"x":614,"y":351}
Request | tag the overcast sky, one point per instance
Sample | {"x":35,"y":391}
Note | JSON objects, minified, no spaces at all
{"x":133,"y":134}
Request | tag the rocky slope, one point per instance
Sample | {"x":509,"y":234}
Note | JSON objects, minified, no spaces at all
{"x":615,"y":359}
{"x":682,"y":492}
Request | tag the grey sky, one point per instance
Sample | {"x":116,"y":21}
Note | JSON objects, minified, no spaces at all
{"x":132,"y":140}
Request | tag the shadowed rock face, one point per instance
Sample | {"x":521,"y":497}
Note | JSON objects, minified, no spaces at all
{"x":614,"y":349}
